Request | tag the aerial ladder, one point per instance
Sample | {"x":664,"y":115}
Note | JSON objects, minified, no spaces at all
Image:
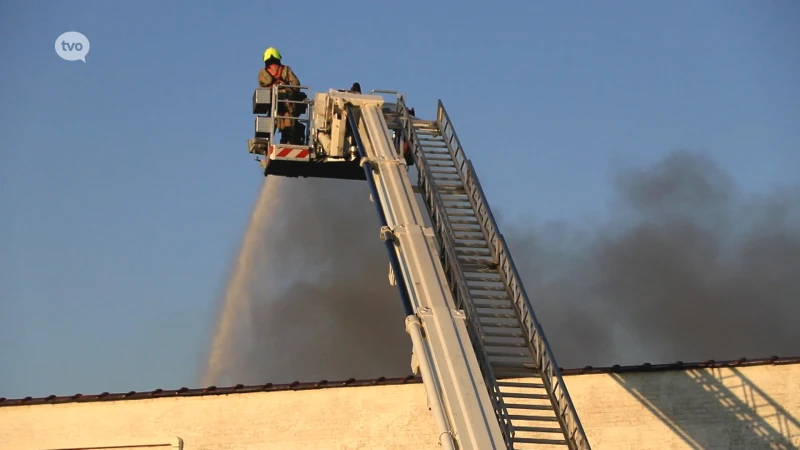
{"x":489,"y":374}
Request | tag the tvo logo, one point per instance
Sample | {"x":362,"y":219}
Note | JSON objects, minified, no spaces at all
{"x":72,"y":46}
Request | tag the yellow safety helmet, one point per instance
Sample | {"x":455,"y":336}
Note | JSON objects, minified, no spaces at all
{"x":272,"y":52}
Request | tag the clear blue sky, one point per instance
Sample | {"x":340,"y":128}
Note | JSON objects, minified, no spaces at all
{"x":125,"y":183}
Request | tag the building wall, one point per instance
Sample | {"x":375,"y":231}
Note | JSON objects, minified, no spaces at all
{"x":726,"y":408}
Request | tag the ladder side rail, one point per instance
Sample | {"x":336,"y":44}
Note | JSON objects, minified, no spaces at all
{"x":448,"y":257}
{"x":545,"y":358}
{"x":455,"y":372}
{"x":435,"y":207}
{"x":462,"y":297}
{"x":460,"y":158}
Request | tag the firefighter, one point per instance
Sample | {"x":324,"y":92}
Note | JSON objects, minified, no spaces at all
{"x":275,"y":73}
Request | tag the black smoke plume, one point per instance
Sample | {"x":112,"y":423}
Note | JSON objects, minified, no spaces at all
{"x":686,"y":270}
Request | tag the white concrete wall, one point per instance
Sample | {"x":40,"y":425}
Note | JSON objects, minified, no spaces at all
{"x":745,"y":408}
{"x":698,"y":409}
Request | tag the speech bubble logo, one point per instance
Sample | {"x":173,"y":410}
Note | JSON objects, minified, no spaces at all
{"x":72,"y":46}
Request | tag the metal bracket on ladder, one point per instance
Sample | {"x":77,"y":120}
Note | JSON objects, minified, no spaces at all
{"x":387,"y":234}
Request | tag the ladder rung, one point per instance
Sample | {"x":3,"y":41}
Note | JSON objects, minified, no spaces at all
{"x":462,"y":216}
{"x":485,"y":284}
{"x":483,"y":322}
{"x":486,"y":288}
{"x":522,"y":395}
{"x":480,"y":263}
{"x":470,"y":214}
{"x":493,"y":302}
{"x":517,"y":384}
{"x":525,"y":406}
{"x":459,"y":235}
{"x":456,"y":202}
{"x":518,"y":342}
{"x":464,"y":237}
{"x":532,"y":418}
{"x":450,"y":208}
{"x":473,"y":250}
{"x":504,"y":338}
{"x":515,"y":374}
{"x":539,"y":441}
{"x":442,"y":176}
{"x":500,"y":325}
{"x":512,"y":337}
{"x":525,"y":429}
{"x":476,"y":264}
{"x":459,"y":202}
{"x":494,"y":306}
{"x":493,"y":313}
{"x":477,"y":292}
{"x":484,"y":279}
{"x":493,"y":344}
{"x":489,"y":315}
{"x":466,"y":222}
{"x":499,"y":362}
{"x":508,"y":354}
{"x":478,"y":269}
{"x":504,"y":333}
{"x":445,"y":189}
{"x":484,"y":245}
{"x":490,"y":297}
{"x":465,"y":252}
{"x":508,"y":366}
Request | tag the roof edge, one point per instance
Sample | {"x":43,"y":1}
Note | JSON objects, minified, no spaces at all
{"x":680,"y":365}
{"x":382,"y":381}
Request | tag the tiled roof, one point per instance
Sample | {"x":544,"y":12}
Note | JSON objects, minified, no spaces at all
{"x":382,"y":381}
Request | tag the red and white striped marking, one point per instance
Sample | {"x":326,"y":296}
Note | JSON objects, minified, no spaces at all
{"x":289,"y":153}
